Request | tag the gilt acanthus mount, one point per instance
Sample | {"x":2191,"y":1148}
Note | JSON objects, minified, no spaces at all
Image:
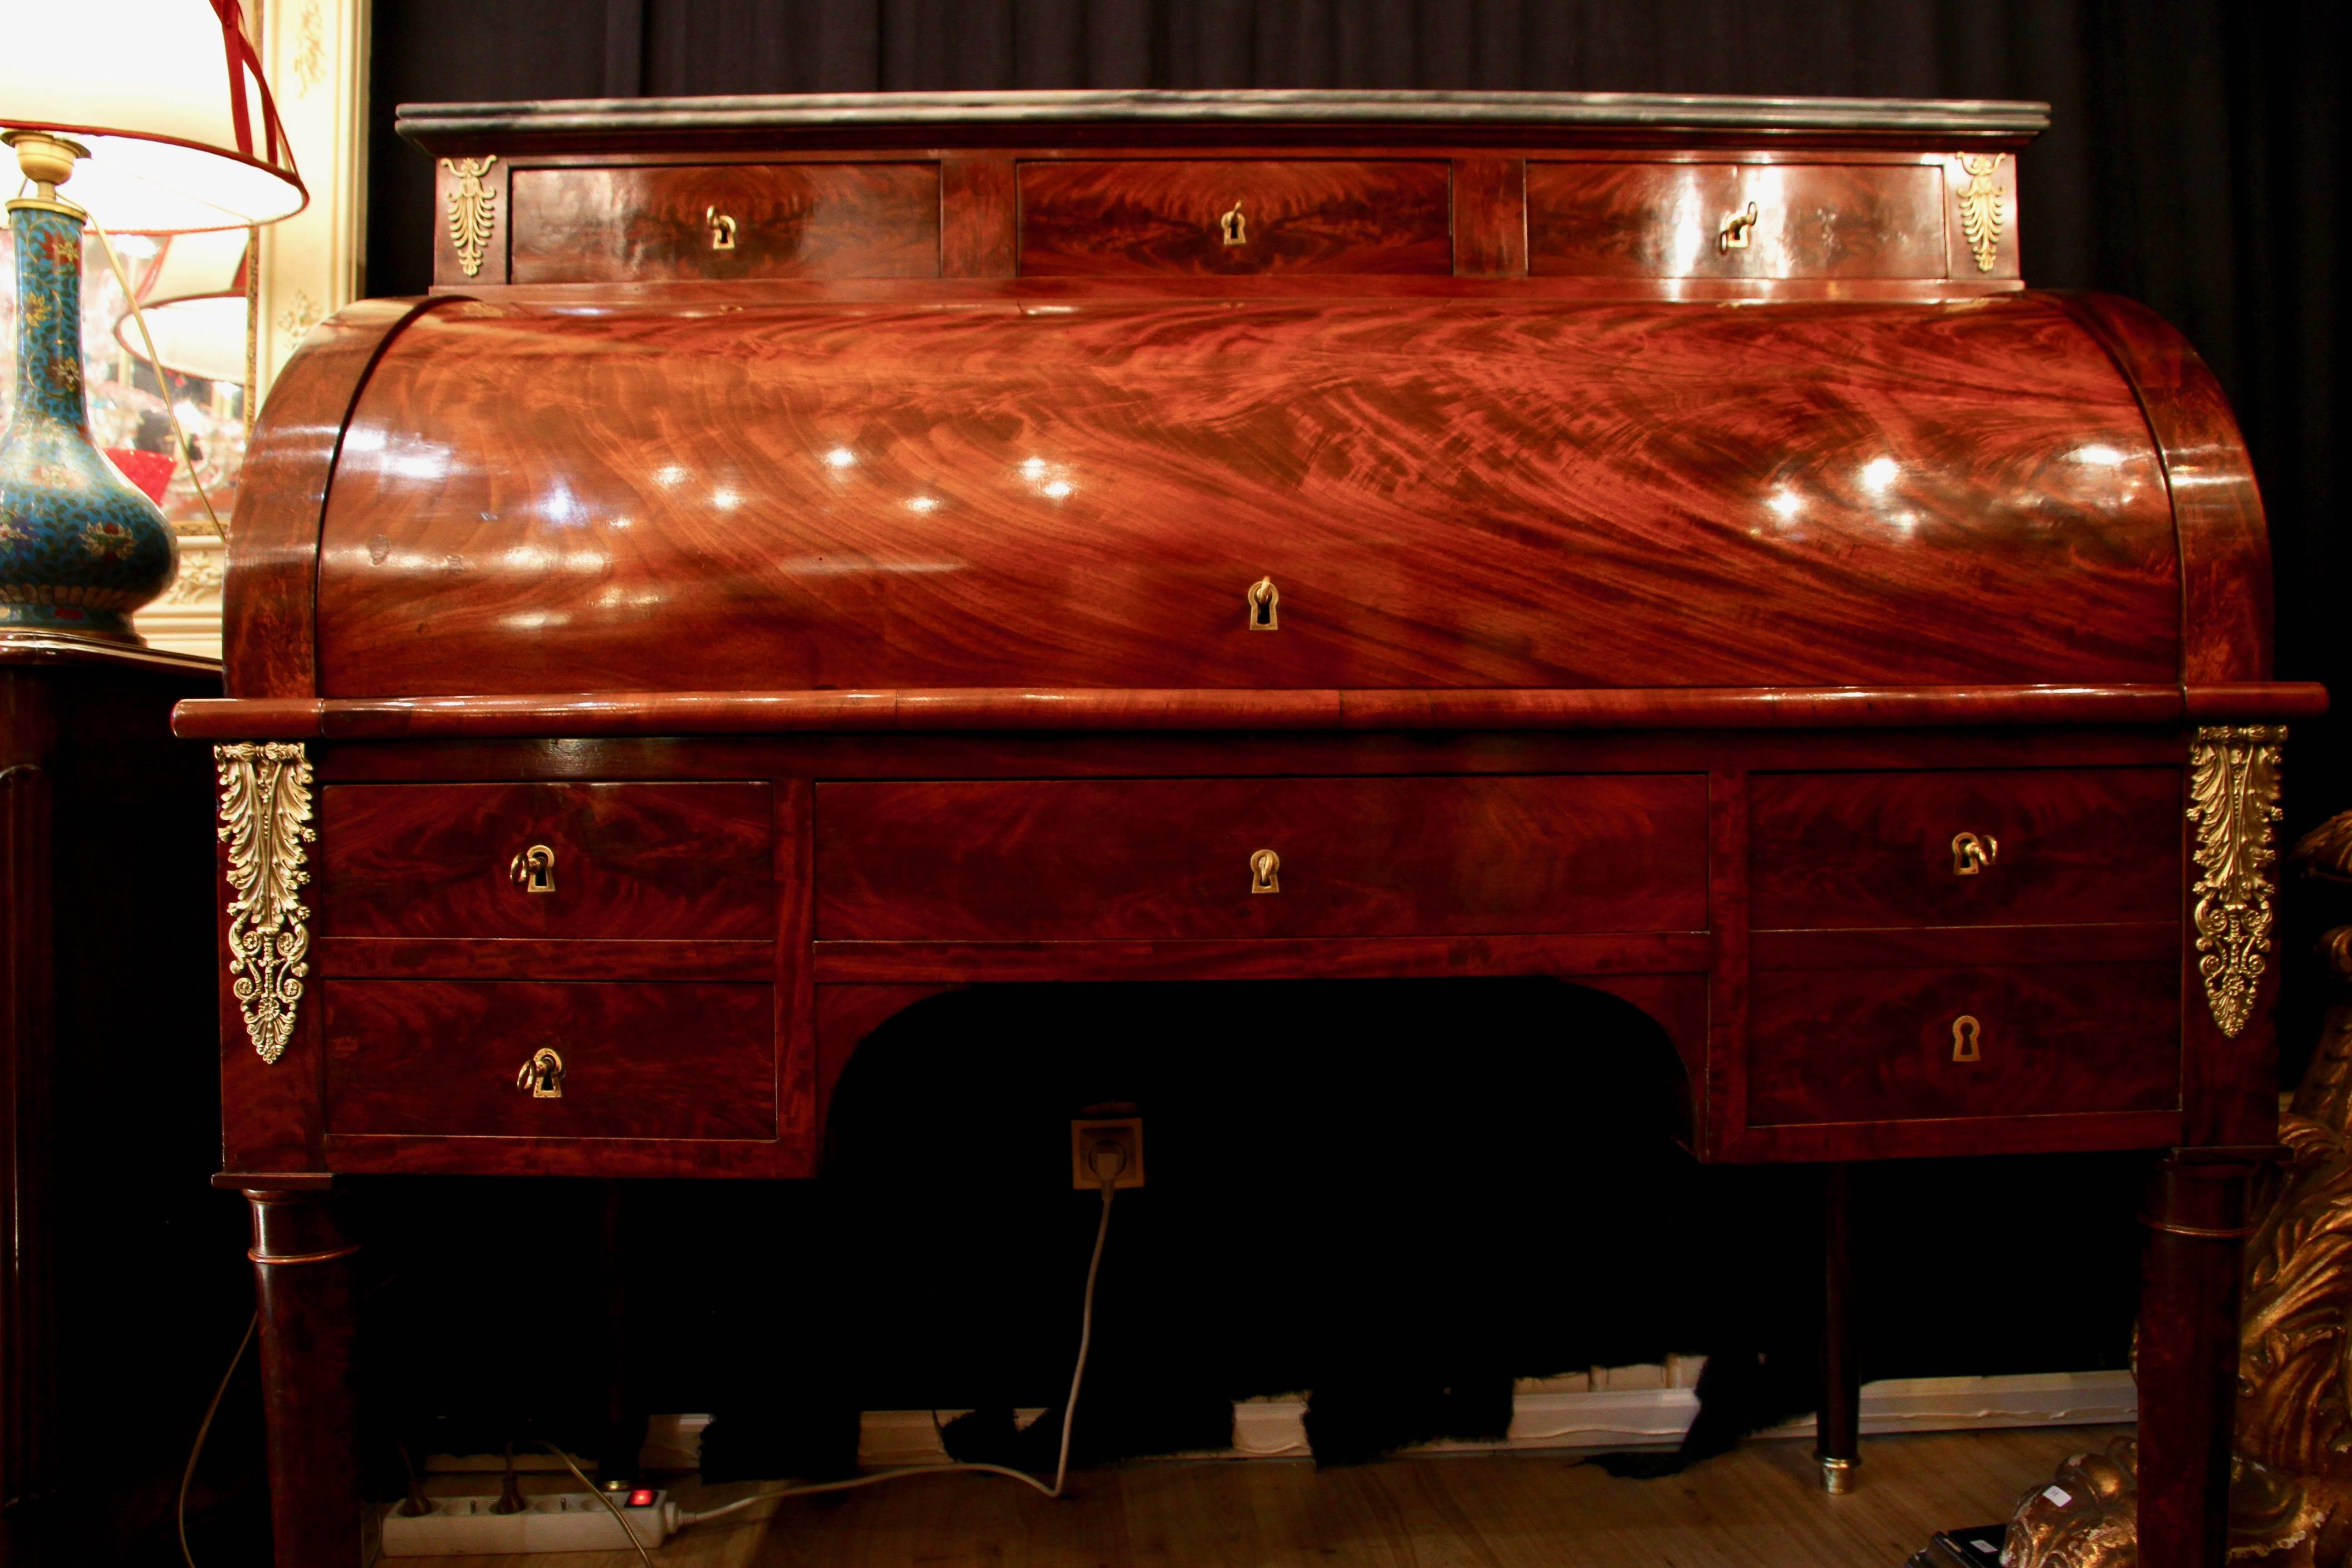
{"x":265,"y":820}
{"x":2234,"y":772}
{"x":473,"y":210}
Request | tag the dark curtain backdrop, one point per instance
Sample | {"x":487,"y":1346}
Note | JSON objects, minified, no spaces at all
{"x":2196,"y":163}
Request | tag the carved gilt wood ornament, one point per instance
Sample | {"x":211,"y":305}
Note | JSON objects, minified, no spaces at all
{"x":2233,"y":800}
{"x":265,"y":820}
{"x":473,"y":210}
{"x":1980,"y":210}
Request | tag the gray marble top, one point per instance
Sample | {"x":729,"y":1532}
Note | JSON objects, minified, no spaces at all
{"x":1638,"y":110}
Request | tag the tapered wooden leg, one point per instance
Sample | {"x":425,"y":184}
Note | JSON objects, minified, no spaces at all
{"x":625,"y":1414}
{"x":2197,"y":1226}
{"x":302,"y":1269}
{"x":1838,"y":1427}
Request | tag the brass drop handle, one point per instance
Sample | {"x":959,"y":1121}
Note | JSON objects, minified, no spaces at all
{"x":1971,"y":855}
{"x":1967,"y":1039}
{"x":1737,"y":228}
{"x":722,"y":228}
{"x":533,"y":871}
{"x":542,"y":1075}
{"x":1264,"y":601}
{"x":1266,"y":872}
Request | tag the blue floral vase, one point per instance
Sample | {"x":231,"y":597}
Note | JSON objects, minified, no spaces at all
{"x":80,"y":546}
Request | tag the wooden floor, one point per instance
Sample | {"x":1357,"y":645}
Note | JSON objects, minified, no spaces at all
{"x":1760,"y":1507}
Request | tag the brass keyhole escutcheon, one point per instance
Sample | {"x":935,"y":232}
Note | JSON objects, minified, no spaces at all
{"x":533,"y":871}
{"x":1967,"y":1034}
{"x":1971,"y":855}
{"x":1737,"y":228}
{"x":722,"y":228}
{"x":1234,"y":227}
{"x":1264,"y":601}
{"x":542,"y":1075}
{"x":1266,"y":872}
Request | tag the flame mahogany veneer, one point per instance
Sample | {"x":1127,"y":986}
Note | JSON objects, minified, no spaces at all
{"x":855,"y":609}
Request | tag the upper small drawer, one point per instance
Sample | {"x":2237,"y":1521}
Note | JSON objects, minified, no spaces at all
{"x":1236,"y":216}
{"x":2051,"y":846}
{"x":655,"y":222}
{"x":1027,"y":861}
{"x":644,"y":861}
{"x":1736,"y":220}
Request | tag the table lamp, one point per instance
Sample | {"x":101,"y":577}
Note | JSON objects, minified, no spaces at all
{"x":156,"y":111}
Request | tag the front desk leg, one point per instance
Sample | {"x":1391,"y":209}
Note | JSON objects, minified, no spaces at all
{"x":2188,"y":1358}
{"x":1838,"y":1427}
{"x":303,"y":1273}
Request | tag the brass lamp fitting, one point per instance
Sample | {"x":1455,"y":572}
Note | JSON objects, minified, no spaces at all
{"x":45,"y":159}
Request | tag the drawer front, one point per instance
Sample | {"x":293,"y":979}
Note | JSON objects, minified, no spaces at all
{"x":1143,"y":858}
{"x":651,"y":223}
{"x":1236,"y":216}
{"x":643,"y":861}
{"x":1669,"y":220}
{"x":1879,"y":1044}
{"x":440,"y":1059}
{"x":2056,"y":846}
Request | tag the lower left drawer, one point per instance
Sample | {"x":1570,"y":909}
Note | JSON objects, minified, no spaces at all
{"x":547,"y":1059}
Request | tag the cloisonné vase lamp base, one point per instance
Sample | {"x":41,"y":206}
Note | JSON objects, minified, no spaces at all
{"x":80,"y":546}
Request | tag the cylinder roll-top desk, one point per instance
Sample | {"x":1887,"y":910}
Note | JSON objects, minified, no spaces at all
{"x":809,"y":553}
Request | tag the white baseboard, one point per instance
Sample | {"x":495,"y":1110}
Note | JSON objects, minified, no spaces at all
{"x":1611,"y":1407}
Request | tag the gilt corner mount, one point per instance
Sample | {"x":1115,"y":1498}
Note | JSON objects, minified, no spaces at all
{"x":265,"y":820}
{"x":2233,"y":787}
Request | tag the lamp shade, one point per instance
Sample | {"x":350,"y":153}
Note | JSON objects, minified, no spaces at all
{"x":167,"y":97}
{"x":193,"y":293}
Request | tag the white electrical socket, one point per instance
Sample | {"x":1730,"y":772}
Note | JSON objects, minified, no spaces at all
{"x":564,"y":1522}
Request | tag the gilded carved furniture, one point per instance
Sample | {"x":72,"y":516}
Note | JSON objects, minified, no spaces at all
{"x":2291,"y":1490}
{"x":810,"y":552}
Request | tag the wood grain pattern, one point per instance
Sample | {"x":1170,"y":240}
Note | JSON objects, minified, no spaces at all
{"x":1490,"y":217}
{"x":979,"y":217}
{"x":439,"y":1057}
{"x":269,"y":625}
{"x":479,"y":958}
{"x":1877,"y":1045}
{"x":638,"y":861}
{"x":792,"y":220}
{"x":1666,"y":220}
{"x":1585,"y":957}
{"x":1875,"y":849}
{"x":1170,"y":859}
{"x":1317,"y":215}
{"x":2224,"y":540}
{"x":1080,"y":500}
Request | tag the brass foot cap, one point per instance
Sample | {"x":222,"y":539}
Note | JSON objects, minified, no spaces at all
{"x":1837,"y":1475}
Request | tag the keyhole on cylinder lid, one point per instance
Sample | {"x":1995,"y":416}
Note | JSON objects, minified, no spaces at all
{"x":1236,"y":227}
{"x":1264,"y":604}
{"x":1966,"y":1033}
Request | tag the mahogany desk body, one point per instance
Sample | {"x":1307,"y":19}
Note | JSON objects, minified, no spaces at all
{"x":808,"y":554}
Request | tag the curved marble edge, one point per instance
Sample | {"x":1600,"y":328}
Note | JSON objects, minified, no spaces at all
{"x":1647,"y":112}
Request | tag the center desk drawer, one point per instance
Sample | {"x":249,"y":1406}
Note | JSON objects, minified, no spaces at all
{"x":1236,"y":216}
{"x":1882,"y":850}
{"x":442,"y":1058}
{"x":1145,"y":859}
{"x":642,"y":861}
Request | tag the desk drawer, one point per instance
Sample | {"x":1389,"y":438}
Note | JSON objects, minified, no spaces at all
{"x":625,"y":860}
{"x":1667,"y":220}
{"x":439,"y":1058}
{"x":1879,"y":1044}
{"x":1143,"y":858}
{"x":2085,"y":845}
{"x":650,"y":223}
{"x":1299,"y":214}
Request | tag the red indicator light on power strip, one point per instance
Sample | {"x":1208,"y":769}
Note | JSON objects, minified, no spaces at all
{"x":641,"y":1498}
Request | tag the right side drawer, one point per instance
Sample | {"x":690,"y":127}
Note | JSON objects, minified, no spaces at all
{"x":2054,"y":846}
{"x":1613,"y":220}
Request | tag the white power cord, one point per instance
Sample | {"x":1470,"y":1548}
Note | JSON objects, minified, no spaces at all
{"x":1069,"y":1413}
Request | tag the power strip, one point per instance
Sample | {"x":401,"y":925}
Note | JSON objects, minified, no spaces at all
{"x":563,"y":1522}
